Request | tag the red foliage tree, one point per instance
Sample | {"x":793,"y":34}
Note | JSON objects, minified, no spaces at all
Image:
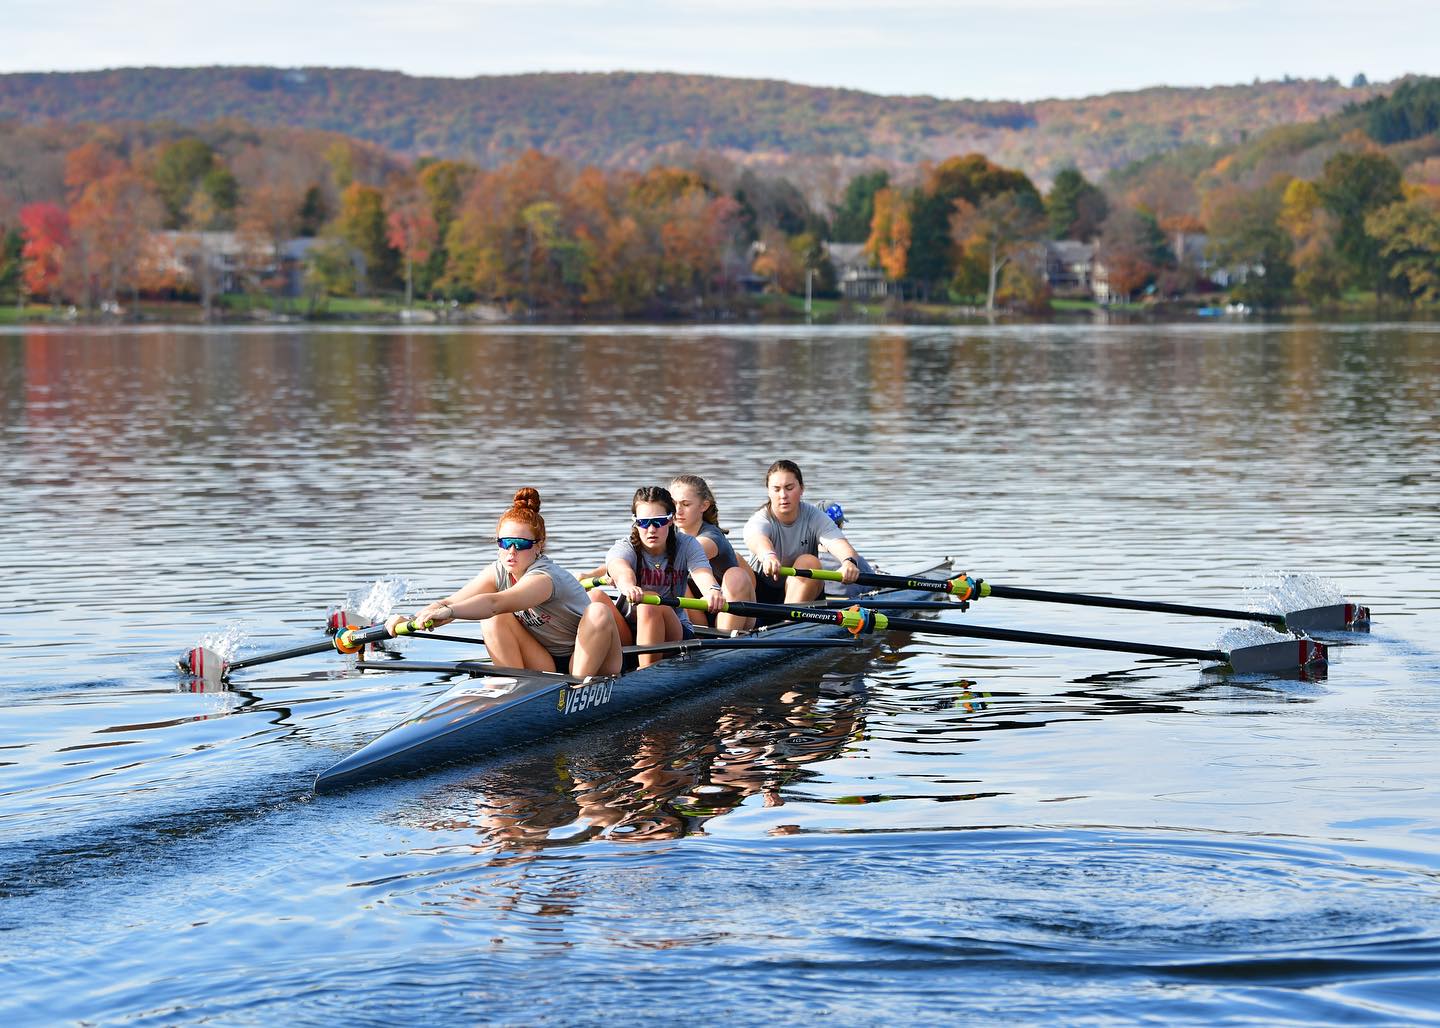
{"x":46,"y":228}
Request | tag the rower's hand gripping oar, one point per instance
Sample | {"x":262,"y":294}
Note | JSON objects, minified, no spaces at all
{"x":1279,"y":657}
{"x":1334,"y":617}
{"x":211,"y":667}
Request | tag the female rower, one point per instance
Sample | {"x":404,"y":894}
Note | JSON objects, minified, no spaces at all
{"x":657,"y":559}
{"x":554,"y":624}
{"x":788,"y":532}
{"x":697,"y":515}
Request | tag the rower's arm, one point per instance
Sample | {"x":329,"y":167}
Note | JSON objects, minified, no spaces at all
{"x":530,"y":591}
{"x":622,"y":575}
{"x":443,"y":611}
{"x":763,"y":550}
{"x":849,"y":557}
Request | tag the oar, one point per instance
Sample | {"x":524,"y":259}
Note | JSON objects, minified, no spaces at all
{"x":1290,"y":655}
{"x":475,"y":667}
{"x":210,"y":666}
{"x":1335,"y":616}
{"x":874,"y":603}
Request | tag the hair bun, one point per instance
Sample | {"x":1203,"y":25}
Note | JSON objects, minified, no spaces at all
{"x":527,"y":498}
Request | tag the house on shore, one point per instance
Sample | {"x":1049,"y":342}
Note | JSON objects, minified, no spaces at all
{"x":218,"y":263}
{"x":854,"y":276}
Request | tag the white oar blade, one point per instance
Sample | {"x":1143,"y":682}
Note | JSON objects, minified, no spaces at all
{"x":1334,"y":617}
{"x":1290,"y":655}
{"x":206,"y":666}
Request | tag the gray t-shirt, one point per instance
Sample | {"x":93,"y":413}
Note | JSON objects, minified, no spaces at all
{"x":810,"y":528}
{"x":724,"y":558}
{"x":556,"y":622}
{"x":653,"y":575}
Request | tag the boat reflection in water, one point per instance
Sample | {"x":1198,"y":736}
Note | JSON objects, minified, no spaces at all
{"x":666,"y":779}
{"x":691,"y":763}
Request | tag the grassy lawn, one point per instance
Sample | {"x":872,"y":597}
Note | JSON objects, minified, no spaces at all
{"x":13,"y":315}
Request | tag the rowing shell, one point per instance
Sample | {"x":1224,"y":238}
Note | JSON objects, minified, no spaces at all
{"x":507,"y":708}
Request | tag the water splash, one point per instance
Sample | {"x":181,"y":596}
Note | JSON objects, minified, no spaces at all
{"x":1279,"y":592}
{"x":1251,"y":634}
{"x":378,"y":601}
{"x":227,"y":641}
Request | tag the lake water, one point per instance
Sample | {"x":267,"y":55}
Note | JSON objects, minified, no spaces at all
{"x":949,"y":830}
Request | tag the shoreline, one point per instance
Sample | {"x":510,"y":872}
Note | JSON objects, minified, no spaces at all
{"x":780,"y":311}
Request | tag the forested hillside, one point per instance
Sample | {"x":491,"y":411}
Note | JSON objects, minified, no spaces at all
{"x":634,"y":120}
{"x":95,"y":214}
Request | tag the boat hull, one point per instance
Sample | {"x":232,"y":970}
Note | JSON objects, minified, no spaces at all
{"x":505,"y":710}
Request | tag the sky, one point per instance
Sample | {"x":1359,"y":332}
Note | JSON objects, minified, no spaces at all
{"x":963,"y":49}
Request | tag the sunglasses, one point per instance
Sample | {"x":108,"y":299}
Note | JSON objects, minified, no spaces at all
{"x":652,"y":522}
{"x":514,"y":542}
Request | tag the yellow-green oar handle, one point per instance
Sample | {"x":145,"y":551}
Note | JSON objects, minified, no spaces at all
{"x":853,"y":619}
{"x":962,"y":585}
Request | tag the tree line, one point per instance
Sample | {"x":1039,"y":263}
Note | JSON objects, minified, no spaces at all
{"x":95,"y":216}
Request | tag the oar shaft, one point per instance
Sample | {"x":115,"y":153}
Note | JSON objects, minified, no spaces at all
{"x":979,"y":588}
{"x":848,"y":619}
{"x":1010,"y":592}
{"x":1045,"y":638}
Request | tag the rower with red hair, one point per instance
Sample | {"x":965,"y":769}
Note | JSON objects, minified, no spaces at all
{"x":536,"y":614}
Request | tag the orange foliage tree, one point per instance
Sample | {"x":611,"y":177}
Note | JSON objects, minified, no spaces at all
{"x":889,"y":244}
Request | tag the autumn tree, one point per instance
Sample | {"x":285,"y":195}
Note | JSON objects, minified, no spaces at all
{"x":268,"y":217}
{"x":93,"y":160}
{"x":1407,"y":234}
{"x":113,"y":221}
{"x":972,"y":178}
{"x":1132,"y":250}
{"x":46,"y":228}
{"x":329,"y":270}
{"x":1076,"y":208}
{"x":444,"y":184}
{"x":780,"y":262}
{"x":1246,"y":234}
{"x":621,"y":238}
{"x":1319,"y":271}
{"x":694,"y":237}
{"x":995,"y":230}
{"x":411,"y":229}
{"x":361,"y":223}
{"x":1351,"y":186}
{"x":188,"y":167}
{"x":888,"y":245}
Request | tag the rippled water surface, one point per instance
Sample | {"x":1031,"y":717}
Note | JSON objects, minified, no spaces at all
{"x":944,"y":829}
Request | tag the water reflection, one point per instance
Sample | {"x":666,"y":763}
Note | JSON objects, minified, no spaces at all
{"x":669,"y":779}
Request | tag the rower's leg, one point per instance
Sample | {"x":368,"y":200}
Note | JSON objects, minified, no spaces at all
{"x":803,"y":590}
{"x":597,"y":644}
{"x":601,"y":597}
{"x":739,"y":587}
{"x":655,"y":625}
{"x":510,"y":645}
